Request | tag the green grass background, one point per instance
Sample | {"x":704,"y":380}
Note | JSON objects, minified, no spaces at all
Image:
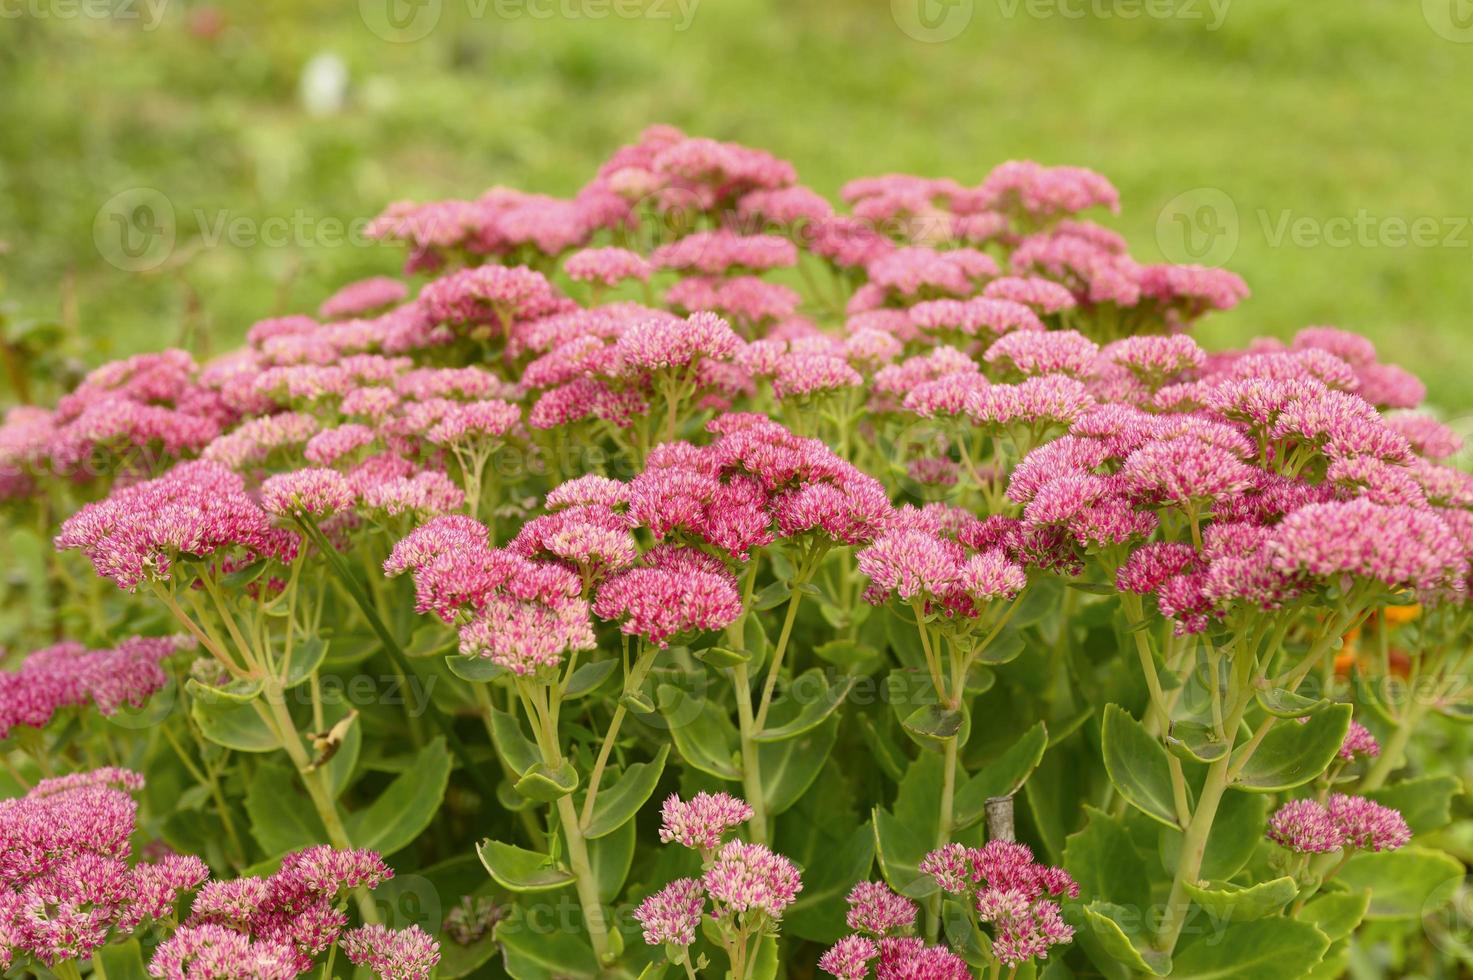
{"x":1311,"y":110}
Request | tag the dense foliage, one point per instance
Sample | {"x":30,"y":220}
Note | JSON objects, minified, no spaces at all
{"x":967,"y":616}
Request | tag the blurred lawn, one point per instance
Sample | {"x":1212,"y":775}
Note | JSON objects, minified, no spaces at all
{"x":1293,"y":110}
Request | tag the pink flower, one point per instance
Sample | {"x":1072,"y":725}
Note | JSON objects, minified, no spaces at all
{"x":787,"y":206}
{"x":1047,"y":352}
{"x":316,"y":492}
{"x":849,"y":958}
{"x":331,"y":445}
{"x":475,"y":422}
{"x":1359,"y":741}
{"x":1038,"y":192}
{"x":877,"y":911}
{"x":703,"y":821}
{"x":527,"y":638}
{"x":491,"y":294}
{"x":681,"y":591}
{"x":801,"y":375}
{"x":425,"y":494}
{"x":914,"y":270}
{"x":911,"y":959}
{"x":714,"y":252}
{"x":1427,"y":436}
{"x":606,"y":266}
{"x":1398,"y":547}
{"x":1043,"y":295}
{"x":196,"y":510}
{"x":406,"y":954}
{"x":1366,"y":825}
{"x":660,"y":344}
{"x":213,"y":952}
{"x":912,"y":564}
{"x":589,"y":490}
{"x":979,"y":316}
{"x":364,"y":296}
{"x":672,"y":915}
{"x":750,"y":878}
{"x":1305,"y":827}
{"x":1184,"y":470}
{"x":1154,"y":359}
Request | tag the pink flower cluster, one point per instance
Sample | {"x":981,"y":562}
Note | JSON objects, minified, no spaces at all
{"x":1011,"y":892}
{"x":68,"y":675}
{"x":197,"y":511}
{"x":701,"y":822}
{"x":277,"y":926}
{"x":744,"y":881}
{"x":1343,"y":823}
{"x":520,"y":614}
{"x":67,"y":886}
{"x":894,"y":958}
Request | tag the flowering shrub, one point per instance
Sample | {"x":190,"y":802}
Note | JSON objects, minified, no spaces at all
{"x":970,"y":618}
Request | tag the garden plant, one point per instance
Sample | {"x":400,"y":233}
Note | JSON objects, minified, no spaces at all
{"x":697,"y":578}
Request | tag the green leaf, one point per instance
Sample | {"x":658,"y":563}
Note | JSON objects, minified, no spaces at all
{"x":1426,"y":803}
{"x":586,"y":679}
{"x":235,"y":726}
{"x":516,"y":749}
{"x":1108,"y":924}
{"x":905,"y":833}
{"x":1004,"y":776}
{"x":120,"y":961}
{"x":851,"y":656}
{"x":547,"y":784}
{"x":818,"y":913}
{"x":1336,"y":914}
{"x":1286,"y":704}
{"x":772,"y":596}
{"x":809,"y":700}
{"x":520,"y":870}
{"x":282,"y":816}
{"x":618,"y":802}
{"x":236,"y":692}
{"x":532,"y":951}
{"x":1138,"y":765}
{"x":393,"y":820}
{"x":1194,"y":742}
{"x":1404,"y":884}
{"x":1005,"y":649}
{"x":307,"y":656}
{"x":610,"y":857}
{"x":933,"y":725}
{"x":702,"y":732}
{"x":1239,"y":903}
{"x":790,"y":767}
{"x":1266,"y":949}
{"x":1294,"y":753}
{"x":723,"y":657}
{"x":477,"y":670}
{"x":1242,"y":819}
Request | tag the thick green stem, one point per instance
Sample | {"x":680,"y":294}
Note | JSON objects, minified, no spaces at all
{"x":1394,"y":749}
{"x":751,"y":764}
{"x":775,"y":668}
{"x":275,"y":714}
